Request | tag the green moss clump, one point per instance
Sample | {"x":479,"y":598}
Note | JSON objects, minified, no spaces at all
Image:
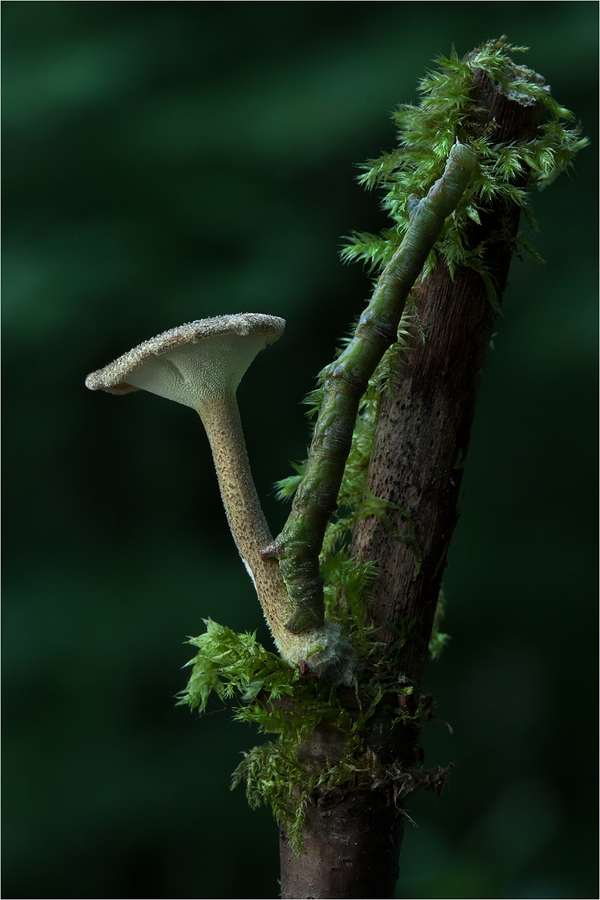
{"x":427,"y":132}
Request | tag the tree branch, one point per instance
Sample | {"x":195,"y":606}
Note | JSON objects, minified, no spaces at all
{"x":353,"y":838}
{"x":424,"y":425}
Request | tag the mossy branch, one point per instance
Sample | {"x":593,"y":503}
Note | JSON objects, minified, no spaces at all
{"x":479,"y":226}
{"x":299,"y":545}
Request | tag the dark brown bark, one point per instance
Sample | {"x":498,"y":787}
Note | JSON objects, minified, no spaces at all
{"x":424,"y":425}
{"x":353,"y":838}
{"x":352,"y":849}
{"x":353,"y":833}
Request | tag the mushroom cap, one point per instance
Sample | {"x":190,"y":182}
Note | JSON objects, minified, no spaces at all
{"x":194,"y":362}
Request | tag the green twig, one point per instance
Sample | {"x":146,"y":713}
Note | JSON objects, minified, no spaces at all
{"x":299,"y":544}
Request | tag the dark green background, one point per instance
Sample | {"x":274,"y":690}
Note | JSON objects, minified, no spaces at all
{"x":171,"y":161}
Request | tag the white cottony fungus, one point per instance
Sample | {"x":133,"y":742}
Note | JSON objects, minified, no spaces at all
{"x":200,"y":365}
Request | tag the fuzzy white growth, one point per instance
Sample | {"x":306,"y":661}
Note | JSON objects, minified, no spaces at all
{"x":326,"y":651}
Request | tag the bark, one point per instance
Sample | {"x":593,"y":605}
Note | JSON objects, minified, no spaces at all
{"x":353,"y":838}
{"x":352,"y":850}
{"x":424,"y":426}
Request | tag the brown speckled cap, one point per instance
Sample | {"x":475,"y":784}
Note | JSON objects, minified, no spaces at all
{"x":193,"y":362}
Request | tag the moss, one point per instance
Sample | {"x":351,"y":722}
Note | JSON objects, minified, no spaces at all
{"x":426,"y":134}
{"x":274,"y":776}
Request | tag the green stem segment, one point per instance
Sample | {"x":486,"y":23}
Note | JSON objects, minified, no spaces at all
{"x":299,"y":545}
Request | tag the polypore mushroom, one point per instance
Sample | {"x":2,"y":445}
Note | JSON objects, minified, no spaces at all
{"x":200,"y":365}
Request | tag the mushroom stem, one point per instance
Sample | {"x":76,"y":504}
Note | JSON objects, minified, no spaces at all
{"x":329,"y":652}
{"x":221,"y":419}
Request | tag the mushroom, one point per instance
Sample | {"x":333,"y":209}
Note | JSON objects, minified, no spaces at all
{"x":200,"y":365}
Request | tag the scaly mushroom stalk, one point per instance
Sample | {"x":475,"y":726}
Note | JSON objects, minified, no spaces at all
{"x":221,"y":419}
{"x":249,"y":529}
{"x":200,"y":365}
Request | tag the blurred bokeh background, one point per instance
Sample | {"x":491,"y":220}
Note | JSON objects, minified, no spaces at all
{"x":170,"y":161}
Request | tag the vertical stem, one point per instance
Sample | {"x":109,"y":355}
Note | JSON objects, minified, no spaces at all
{"x":424,"y":425}
{"x":352,"y":851}
{"x":419,"y":434}
{"x":221,"y":419}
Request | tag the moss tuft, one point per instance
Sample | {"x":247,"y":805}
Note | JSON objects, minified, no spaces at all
{"x":427,"y":132}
